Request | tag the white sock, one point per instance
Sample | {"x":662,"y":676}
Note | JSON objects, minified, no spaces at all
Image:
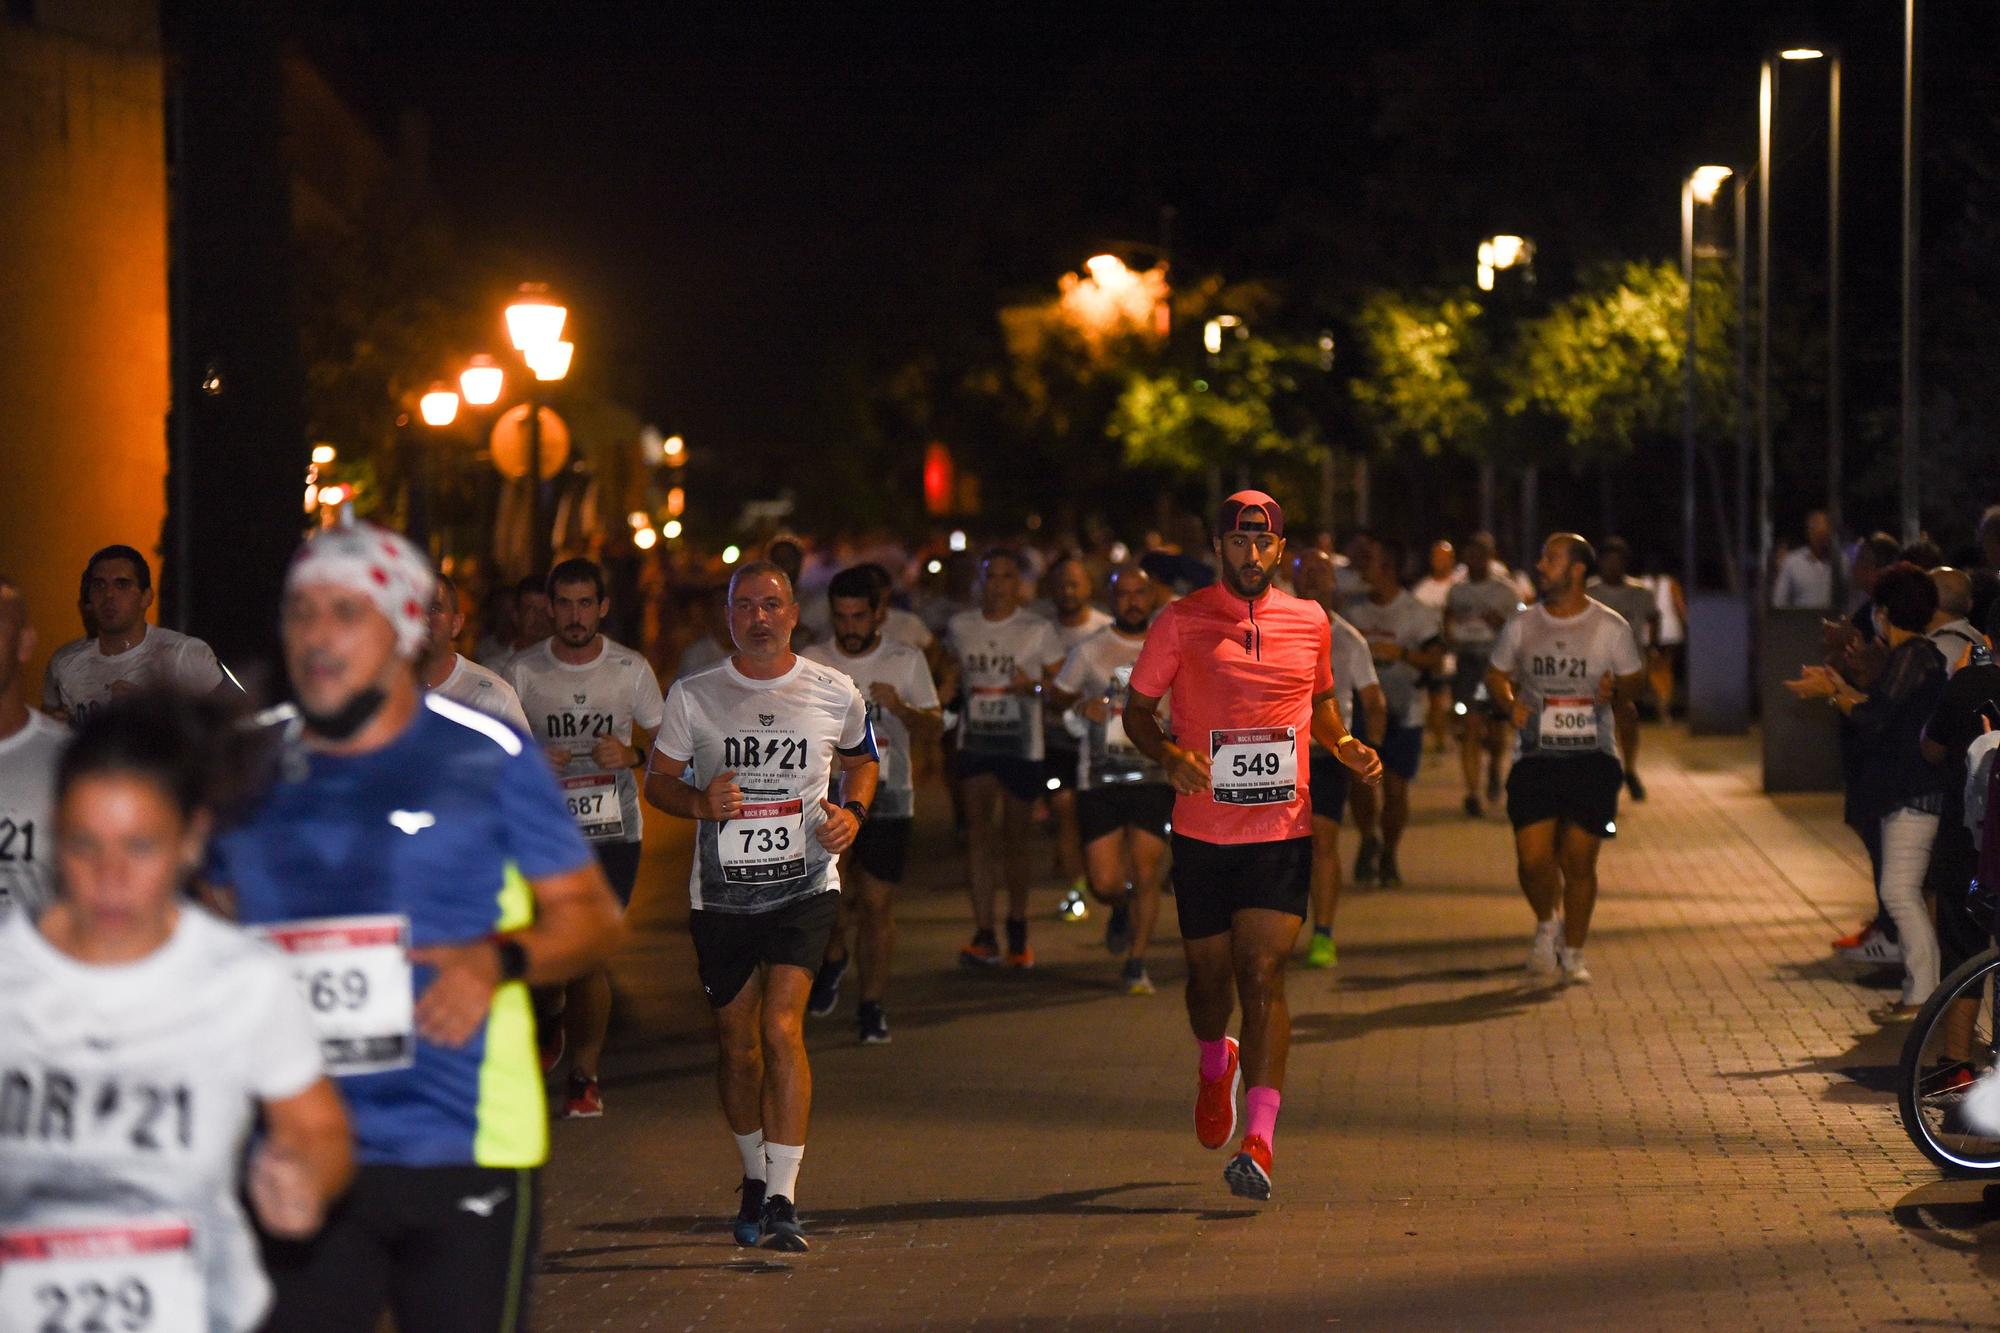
{"x":1548,"y":927}
{"x":783,"y":1177}
{"x":751,"y":1147}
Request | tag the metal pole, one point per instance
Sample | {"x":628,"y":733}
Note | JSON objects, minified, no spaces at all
{"x":1743,"y":375}
{"x":1835,"y":432}
{"x":538,"y":531}
{"x":1688,"y":392}
{"x":1767,"y":99}
{"x":1912,"y":423}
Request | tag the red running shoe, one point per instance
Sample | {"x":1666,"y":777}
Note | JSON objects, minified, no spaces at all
{"x":1215,"y":1104}
{"x":1249,"y":1171}
{"x":1857,"y":939}
{"x":585,"y":1101}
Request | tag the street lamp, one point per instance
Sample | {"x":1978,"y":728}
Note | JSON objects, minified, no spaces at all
{"x":1699,"y":188}
{"x":439,"y":405}
{"x":534,"y":318}
{"x":1498,"y":252}
{"x":551,"y":360}
{"x":1503,"y":252}
{"x":482,"y":381}
{"x":535,"y":324}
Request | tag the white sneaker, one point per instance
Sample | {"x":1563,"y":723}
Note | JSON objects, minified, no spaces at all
{"x":1542,"y":953}
{"x":1877,"y":948}
{"x":1573,"y":969}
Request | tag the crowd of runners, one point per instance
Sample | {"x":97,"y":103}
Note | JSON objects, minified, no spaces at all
{"x":342,"y":960}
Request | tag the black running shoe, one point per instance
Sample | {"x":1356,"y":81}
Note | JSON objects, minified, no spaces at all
{"x":1391,"y":876}
{"x":1493,"y":784}
{"x":1636,"y":787}
{"x":1366,"y":860}
{"x":749,"y":1226}
{"x":872,"y":1025}
{"x":1473,"y":809}
{"x":1118,"y":930}
{"x":826,"y":986}
{"x":781,"y":1226}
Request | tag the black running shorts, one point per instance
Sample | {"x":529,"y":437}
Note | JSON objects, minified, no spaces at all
{"x":1022,"y":779}
{"x":1215,"y":881}
{"x":620,"y":861}
{"x":1578,"y":790}
{"x":729,"y":946}
{"x":882,"y":848}
{"x":1113,"y":807}
{"x":1330,"y":781}
{"x":449,"y":1248}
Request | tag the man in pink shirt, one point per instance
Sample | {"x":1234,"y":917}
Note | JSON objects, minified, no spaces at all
{"x":1251,"y":674}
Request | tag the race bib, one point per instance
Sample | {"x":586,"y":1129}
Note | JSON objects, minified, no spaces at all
{"x":996,"y":717}
{"x":1253,"y":767}
{"x":765,"y":844}
{"x":1568,"y":722}
{"x":355,"y":973}
{"x":133,"y":1277}
{"x":594,"y":805}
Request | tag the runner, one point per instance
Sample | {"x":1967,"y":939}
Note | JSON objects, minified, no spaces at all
{"x":1406,"y":638}
{"x":1000,"y":658}
{"x":1474,"y":612}
{"x":749,"y":749}
{"x":1573,"y":661}
{"x":533,"y":622}
{"x":1354,"y":668}
{"x":903,"y":712}
{"x":131,"y":655}
{"x":144,"y":1039}
{"x":590,"y":703}
{"x":1249,"y":668}
{"x":444,"y":671}
{"x":1124,"y":802}
{"x":30,"y":744}
{"x":715,"y":645}
{"x":1634,"y":602}
{"x":415,"y":860}
{"x":1442,"y":573}
{"x":1070,"y":591}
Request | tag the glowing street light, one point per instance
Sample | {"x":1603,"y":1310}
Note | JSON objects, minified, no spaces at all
{"x":672,"y":529}
{"x":1802,"y":53}
{"x":645,"y":539}
{"x":1707,"y":181}
{"x":482,"y":381}
{"x":534,"y":319}
{"x":323,"y":454}
{"x":551,"y":360}
{"x":1500,"y":252}
{"x":439,"y":406}
{"x":674,"y":448}
{"x":731,"y":554}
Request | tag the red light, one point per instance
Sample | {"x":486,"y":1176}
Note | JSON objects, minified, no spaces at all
{"x":940,"y":479}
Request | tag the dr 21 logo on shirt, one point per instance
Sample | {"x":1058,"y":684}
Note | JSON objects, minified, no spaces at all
{"x":1558,"y":668}
{"x":569,"y":726}
{"x":780,"y":752}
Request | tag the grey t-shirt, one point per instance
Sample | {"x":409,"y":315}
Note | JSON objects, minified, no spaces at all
{"x":1556,"y":664}
{"x":1409,"y":624}
{"x":1466,"y":607}
{"x":1633,"y":602}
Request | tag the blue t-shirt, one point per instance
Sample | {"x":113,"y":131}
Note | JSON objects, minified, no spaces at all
{"x":445,"y":825}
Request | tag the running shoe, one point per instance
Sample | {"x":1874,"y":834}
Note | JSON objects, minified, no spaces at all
{"x":1366,"y":860}
{"x":1215,"y":1103}
{"x":1135,"y":978}
{"x":1320,"y":952}
{"x":872,"y":1025}
{"x":984,"y":951}
{"x":780,"y":1222}
{"x":1018,"y":952}
{"x":826,"y":986}
{"x":1118,"y":930}
{"x":1249,"y":1171}
{"x":1878,"y":948}
{"x":1542,"y":953}
{"x":1857,"y":939}
{"x":1390,"y":876}
{"x":1574,"y":973}
{"x":584,"y":1102}
{"x":551,"y":1044}
{"x":1493,"y":784}
{"x":1636,"y":787}
{"x":1074,"y":907}
{"x":748,"y":1226}
{"x":1473,"y":809}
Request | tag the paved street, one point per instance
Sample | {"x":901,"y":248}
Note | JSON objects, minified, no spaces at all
{"x":1705,"y":1137}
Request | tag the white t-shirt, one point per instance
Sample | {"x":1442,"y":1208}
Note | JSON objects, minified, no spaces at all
{"x":1055,"y":734}
{"x":816,"y":614}
{"x":480,"y":690}
{"x":27,"y":811}
{"x":1353,"y":667}
{"x":1804,"y":580}
{"x":903,"y":668}
{"x":129,"y":1092}
{"x":577,"y":706}
{"x":1555,"y":665}
{"x":1432,"y":590}
{"x":1100,"y":667}
{"x":51,"y":694}
{"x":88,"y":679}
{"x":1409,"y":624}
{"x":779,"y":737}
{"x":1465,"y":608}
{"x":1000,"y":720}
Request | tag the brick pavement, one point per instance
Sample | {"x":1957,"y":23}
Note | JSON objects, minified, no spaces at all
{"x":1703,"y":1138}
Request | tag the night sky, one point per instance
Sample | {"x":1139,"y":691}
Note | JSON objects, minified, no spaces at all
{"x":741,"y":201}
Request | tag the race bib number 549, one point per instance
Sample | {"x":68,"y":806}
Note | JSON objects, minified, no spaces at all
{"x":1258,"y":766}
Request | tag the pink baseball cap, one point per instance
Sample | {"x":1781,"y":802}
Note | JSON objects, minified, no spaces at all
{"x":1251,"y":505}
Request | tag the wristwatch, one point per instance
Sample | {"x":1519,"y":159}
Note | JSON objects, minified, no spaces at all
{"x":858,"y":810}
{"x":1350,"y":736}
{"x":513,"y":958}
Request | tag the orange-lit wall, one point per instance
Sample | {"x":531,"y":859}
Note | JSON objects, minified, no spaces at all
{"x":83,"y":298}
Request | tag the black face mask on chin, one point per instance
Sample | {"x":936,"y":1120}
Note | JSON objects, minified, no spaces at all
{"x":349,"y":718}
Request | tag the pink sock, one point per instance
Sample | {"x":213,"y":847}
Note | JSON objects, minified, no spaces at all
{"x":1262,"y":1104}
{"x":1214,"y":1057}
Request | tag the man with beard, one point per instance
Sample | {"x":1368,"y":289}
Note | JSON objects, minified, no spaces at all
{"x":903,"y":709}
{"x":30,"y":745}
{"x":415,"y":861}
{"x":1075,"y":620}
{"x":1124,"y":802}
{"x":1250,"y":669}
{"x":749,"y":750}
{"x":445,"y":671}
{"x":129,"y":654}
{"x":1562,"y":668}
{"x":591,"y":703}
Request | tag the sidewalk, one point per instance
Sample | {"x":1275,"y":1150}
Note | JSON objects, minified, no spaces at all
{"x":1705,"y":1137}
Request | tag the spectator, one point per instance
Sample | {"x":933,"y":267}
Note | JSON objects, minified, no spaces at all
{"x":1809,"y":576}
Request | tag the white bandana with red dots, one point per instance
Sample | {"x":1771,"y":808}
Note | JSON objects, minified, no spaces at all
{"x":379,"y":563}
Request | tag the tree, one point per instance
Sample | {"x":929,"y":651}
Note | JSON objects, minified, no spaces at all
{"x":1251,"y":404}
{"x":1427,"y":363}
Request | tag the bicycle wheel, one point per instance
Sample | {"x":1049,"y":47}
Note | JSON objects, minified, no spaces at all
{"x":1949,"y":1046}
